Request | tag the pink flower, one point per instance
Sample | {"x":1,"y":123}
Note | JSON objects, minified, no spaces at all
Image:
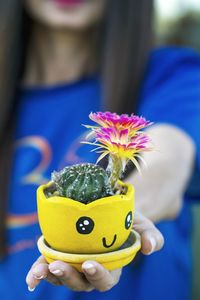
{"x":119,"y":143}
{"x":124,"y":121}
{"x":119,"y":137}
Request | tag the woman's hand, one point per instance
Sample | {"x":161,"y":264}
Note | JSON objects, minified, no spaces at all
{"x":94,"y":275}
{"x":160,"y":189}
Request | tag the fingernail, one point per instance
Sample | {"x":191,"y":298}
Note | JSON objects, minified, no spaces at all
{"x":57,"y":272}
{"x":40,"y":277}
{"x":89,"y":269}
{"x":153,"y":245}
{"x":31,"y":289}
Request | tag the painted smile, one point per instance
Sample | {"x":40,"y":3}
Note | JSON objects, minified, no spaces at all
{"x":108,"y":246}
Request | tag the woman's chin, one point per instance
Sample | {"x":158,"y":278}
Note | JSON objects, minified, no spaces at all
{"x":68,"y":3}
{"x":66,"y":14}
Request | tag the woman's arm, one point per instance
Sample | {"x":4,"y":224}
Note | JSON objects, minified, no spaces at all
{"x":160,"y":189}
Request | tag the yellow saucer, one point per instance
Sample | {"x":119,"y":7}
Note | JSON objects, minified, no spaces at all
{"x":110,"y":260}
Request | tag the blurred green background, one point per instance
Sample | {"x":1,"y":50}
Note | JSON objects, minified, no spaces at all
{"x":177,"y":22}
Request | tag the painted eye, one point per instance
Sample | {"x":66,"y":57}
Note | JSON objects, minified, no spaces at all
{"x":128,"y":220}
{"x":84,"y":225}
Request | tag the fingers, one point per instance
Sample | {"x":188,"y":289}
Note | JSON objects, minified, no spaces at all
{"x":38,"y":271}
{"x":151,"y":238}
{"x":69,"y":276}
{"x":100,"y":278}
{"x":95,"y":276}
{"x":56,"y":273}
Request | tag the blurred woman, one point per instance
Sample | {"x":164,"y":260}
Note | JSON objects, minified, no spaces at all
{"x":61,"y":59}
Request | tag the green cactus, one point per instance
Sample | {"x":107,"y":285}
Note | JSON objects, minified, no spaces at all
{"x":82,"y":182}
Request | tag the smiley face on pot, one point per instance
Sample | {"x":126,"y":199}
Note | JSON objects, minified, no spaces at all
{"x":98,"y":227}
{"x":85,"y":225}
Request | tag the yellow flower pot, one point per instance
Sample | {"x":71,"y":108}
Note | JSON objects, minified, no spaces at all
{"x":72,"y":230}
{"x":110,"y":260}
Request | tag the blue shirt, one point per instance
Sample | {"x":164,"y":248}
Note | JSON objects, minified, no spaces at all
{"x":47,"y":137}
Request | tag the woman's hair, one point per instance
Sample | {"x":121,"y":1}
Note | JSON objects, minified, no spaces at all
{"x":125,"y":41}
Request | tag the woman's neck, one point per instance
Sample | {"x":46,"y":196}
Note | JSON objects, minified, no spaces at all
{"x":57,"y":56}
